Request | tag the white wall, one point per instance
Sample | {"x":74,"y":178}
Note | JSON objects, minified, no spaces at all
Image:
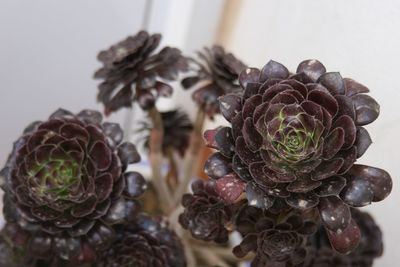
{"x":359,"y":38}
{"x":48,"y":56}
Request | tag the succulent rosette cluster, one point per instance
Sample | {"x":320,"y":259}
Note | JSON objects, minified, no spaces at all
{"x":217,"y":74}
{"x":294,"y":138}
{"x":66,"y":184}
{"x":146,"y":243}
{"x":276,"y":241}
{"x":15,"y":250}
{"x":133,"y":71}
{"x":176,"y":131}
{"x":205,"y":215}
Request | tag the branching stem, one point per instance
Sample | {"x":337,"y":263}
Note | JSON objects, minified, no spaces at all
{"x":156,"y":161}
{"x":191,"y":162}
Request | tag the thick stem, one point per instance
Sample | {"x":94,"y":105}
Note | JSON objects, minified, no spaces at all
{"x":183,"y":235}
{"x":156,"y":160}
{"x":190,"y":257}
{"x":192,"y":155}
{"x":210,"y":257}
{"x":172,"y":176}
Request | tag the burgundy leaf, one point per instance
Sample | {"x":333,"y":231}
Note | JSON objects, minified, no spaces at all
{"x":229,"y":106}
{"x":250,"y":75}
{"x":363,"y":141}
{"x":303,"y":201}
{"x":273,"y":69}
{"x":335,"y":214}
{"x":312,"y":68}
{"x":347,"y":240}
{"x":217,"y":166}
{"x":333,"y":81}
{"x":354,"y":88}
{"x":367,"y":109}
{"x":230,"y":187}
{"x":380,"y":180}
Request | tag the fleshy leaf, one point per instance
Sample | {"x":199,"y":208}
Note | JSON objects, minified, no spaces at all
{"x":347,"y":124}
{"x":230,"y":187}
{"x":363,"y":141}
{"x":245,"y":153}
{"x":303,"y":201}
{"x":335,"y":215}
{"x":354,"y":88}
{"x":117,"y":212}
{"x":249,"y":75}
{"x":135,"y":184}
{"x":358,"y":192}
{"x":273,"y":69}
{"x":66,"y":247}
{"x":312,"y":68}
{"x":327,"y":169}
{"x":217,"y":166}
{"x":250,"y":135}
{"x":101,"y":155}
{"x":367,"y":109}
{"x":380,"y":180}
{"x":257,"y":198}
{"x":347,"y":240}
{"x":114,"y":131}
{"x":333,"y":81}
{"x":224,"y":141}
{"x":209,"y":137}
{"x":229,"y":106}
{"x":128,"y":154}
{"x":331,"y":186}
{"x":241,"y":169}
{"x":101,"y":236}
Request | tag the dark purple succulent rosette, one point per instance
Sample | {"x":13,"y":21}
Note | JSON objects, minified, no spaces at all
{"x":133,"y":71}
{"x":217,"y":74}
{"x":276,"y":241}
{"x":146,"y":243}
{"x":176,"y":135}
{"x":66,"y":183}
{"x":296,"y":137}
{"x":205,"y":214}
{"x":9,"y":246}
{"x":15,"y":250}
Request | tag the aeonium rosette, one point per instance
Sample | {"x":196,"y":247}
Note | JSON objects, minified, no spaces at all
{"x":147,"y":242}
{"x":65,"y":183}
{"x":294,"y":139}
{"x":276,"y":240}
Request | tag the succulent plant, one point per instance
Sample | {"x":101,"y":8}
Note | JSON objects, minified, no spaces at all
{"x":10,"y":255}
{"x":132,"y":71}
{"x":296,"y":137}
{"x":16,"y":250}
{"x":326,"y":257}
{"x":370,"y":247}
{"x":217,"y":74}
{"x":177,"y":128}
{"x":205,"y":214}
{"x":146,"y":243}
{"x":66,"y":183}
{"x":276,"y":241}
{"x":371,"y":243}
